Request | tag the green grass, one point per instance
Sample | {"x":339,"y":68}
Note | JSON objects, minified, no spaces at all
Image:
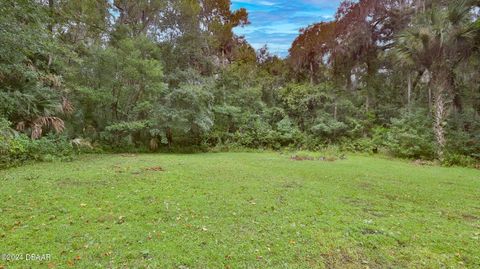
{"x":240,"y":210}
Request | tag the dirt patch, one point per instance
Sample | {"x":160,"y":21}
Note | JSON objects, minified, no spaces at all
{"x":456,"y":216}
{"x":67,"y":182}
{"x":342,"y":258}
{"x":469,"y":217}
{"x":392,"y":197}
{"x":373,"y":212}
{"x":154,"y":169}
{"x":302,"y":158}
{"x":105,"y":219}
{"x":309,"y":158}
{"x":291,"y":184}
{"x":328,"y":159}
{"x":119,"y":169}
{"x":128,"y":155}
{"x":423,"y":163}
{"x":368,"y":231}
{"x":355,"y":202}
{"x":336,"y":259}
{"x":365,"y":185}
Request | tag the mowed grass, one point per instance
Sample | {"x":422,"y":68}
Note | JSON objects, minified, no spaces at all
{"x":240,"y":210}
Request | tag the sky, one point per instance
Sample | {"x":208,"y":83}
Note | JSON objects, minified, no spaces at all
{"x":277,"y":22}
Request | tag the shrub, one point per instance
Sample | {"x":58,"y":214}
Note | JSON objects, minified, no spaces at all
{"x":326,"y":154}
{"x":327,"y":127}
{"x":287,"y":132}
{"x":452,"y":159}
{"x":366,"y":145}
{"x":16,"y":149}
{"x":50,"y":148}
{"x":463,"y":134}
{"x":411,"y":136}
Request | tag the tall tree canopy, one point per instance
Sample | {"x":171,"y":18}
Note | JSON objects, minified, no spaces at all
{"x":394,"y":75}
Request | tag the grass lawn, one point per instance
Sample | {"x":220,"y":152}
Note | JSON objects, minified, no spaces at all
{"x":239,"y":210}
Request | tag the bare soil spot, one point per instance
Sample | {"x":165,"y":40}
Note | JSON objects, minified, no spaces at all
{"x":365,"y":185}
{"x":154,"y":169}
{"x":105,"y":219}
{"x":310,"y":158}
{"x":373,"y":212}
{"x":68,"y":182}
{"x":368,"y":231}
{"x":341,"y":258}
{"x":291,"y":184}
{"x":302,"y":158}
{"x":129,"y":155}
{"x":356,"y":202}
{"x":392,"y":197}
{"x":469,"y":217}
{"x":420,"y":162}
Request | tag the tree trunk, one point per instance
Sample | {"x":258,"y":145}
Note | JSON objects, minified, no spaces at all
{"x":169,"y":135}
{"x":457,"y":102}
{"x":311,"y":73}
{"x":442,"y":87}
{"x":409,"y":90}
{"x":335,"y":110}
{"x":429,"y":98}
{"x":223,"y":59}
{"x":51,"y":6}
{"x":367,"y":103}
{"x":438,"y":127}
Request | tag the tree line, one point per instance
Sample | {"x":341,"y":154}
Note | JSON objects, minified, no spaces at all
{"x":400,"y":76}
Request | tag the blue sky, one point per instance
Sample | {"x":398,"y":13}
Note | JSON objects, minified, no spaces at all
{"x":276,"y":22}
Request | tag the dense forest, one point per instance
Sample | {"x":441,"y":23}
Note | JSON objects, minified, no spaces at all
{"x":394,"y":76}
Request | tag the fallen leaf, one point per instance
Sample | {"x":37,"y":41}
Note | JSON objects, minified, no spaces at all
{"x":121,"y":220}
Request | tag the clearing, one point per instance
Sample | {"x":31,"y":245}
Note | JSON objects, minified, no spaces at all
{"x":239,"y":210}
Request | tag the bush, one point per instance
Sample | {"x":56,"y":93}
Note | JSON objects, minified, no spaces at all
{"x":50,"y":148}
{"x":17,"y":149}
{"x":366,"y":145}
{"x":329,"y":128}
{"x":330,"y":153}
{"x":411,"y":136}
{"x":454,"y":159}
{"x":463,"y":134}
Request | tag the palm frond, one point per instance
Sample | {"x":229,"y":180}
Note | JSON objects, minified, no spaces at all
{"x":54,"y":122}
{"x":38,"y":124}
{"x":458,"y":11}
{"x":67,"y":106}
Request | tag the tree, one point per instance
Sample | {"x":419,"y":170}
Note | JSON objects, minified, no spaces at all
{"x":125,"y":83}
{"x":32,"y":92}
{"x":312,"y":48}
{"x":186,"y":110}
{"x":438,"y":41}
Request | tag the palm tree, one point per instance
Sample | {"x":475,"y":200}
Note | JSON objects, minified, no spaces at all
{"x":437,"y":41}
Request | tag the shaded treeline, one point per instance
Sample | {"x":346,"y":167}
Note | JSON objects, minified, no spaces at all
{"x":398,"y":75}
